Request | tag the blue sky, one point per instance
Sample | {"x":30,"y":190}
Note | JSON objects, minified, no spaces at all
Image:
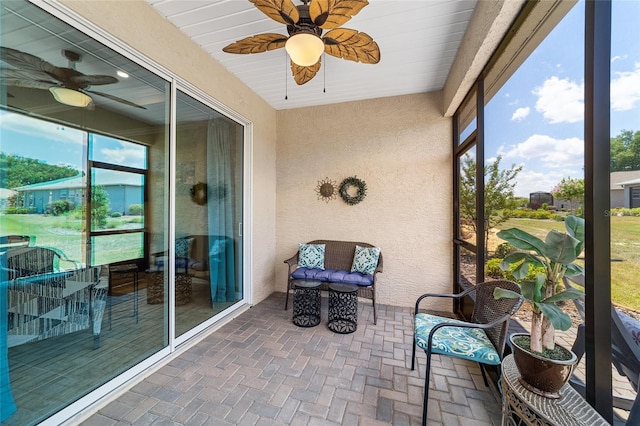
{"x":61,"y":145}
{"x":537,"y":118}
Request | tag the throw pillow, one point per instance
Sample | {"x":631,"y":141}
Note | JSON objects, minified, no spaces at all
{"x":183,"y":247}
{"x":365,"y":260}
{"x":311,"y":256}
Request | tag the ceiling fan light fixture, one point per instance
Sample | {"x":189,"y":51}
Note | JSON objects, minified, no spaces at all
{"x":304,"y":48}
{"x":70,"y":97}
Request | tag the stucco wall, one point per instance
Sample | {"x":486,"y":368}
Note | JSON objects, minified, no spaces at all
{"x":401,"y":148}
{"x":138,"y":25}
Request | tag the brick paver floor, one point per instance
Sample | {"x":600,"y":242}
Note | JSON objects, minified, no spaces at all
{"x":261,"y":369}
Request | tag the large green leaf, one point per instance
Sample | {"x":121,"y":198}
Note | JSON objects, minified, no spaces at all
{"x":569,"y":294}
{"x":554,"y":314}
{"x":499,"y":293}
{"x":575,"y":227}
{"x":560,"y":247}
{"x":522,"y":240}
{"x":574,"y":269}
{"x":532,"y":290}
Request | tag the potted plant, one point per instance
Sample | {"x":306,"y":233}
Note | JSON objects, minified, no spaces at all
{"x":544,"y":366}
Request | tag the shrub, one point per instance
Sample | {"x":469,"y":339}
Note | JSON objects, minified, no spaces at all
{"x":557,"y":217}
{"x":492,"y":269}
{"x":503,"y":250}
{"x":136,"y":209}
{"x":59,"y":207}
{"x":621,"y":211}
{"x":116,"y":214}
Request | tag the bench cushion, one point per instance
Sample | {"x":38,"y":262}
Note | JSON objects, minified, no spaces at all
{"x":332,"y":275}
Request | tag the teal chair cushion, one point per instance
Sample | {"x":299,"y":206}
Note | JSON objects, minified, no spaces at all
{"x":461,"y":342}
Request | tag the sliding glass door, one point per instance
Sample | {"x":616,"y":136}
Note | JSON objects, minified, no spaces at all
{"x":90,"y":280}
{"x":208,"y":245}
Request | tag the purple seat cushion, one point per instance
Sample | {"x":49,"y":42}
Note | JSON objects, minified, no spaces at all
{"x":331,"y":275}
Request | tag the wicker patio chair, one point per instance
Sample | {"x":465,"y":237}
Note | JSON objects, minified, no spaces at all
{"x":625,"y":353}
{"x":338,"y":257}
{"x":26,"y":261}
{"x":481,"y":340}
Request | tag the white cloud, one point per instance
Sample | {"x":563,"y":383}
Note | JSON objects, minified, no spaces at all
{"x":549,"y":152}
{"x":560,"y":100}
{"x":625,"y":89}
{"x":533,"y":181}
{"x":618,"y":57}
{"x":521,"y":113}
{"x":128,"y":154}
{"x":40,"y":129}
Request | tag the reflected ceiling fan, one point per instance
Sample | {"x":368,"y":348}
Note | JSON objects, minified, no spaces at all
{"x":67,"y":85}
{"x":305,"y":43}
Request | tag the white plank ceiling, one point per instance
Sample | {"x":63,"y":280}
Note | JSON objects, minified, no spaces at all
{"x":418,"y":41}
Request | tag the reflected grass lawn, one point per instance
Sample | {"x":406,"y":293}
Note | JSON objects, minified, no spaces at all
{"x":63,"y":233}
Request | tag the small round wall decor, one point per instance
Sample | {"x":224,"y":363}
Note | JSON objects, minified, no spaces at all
{"x":326,"y":190}
{"x":347,"y":189}
{"x":199,"y":193}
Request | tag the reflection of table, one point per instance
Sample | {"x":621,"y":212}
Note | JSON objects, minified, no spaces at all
{"x":122,"y":270}
{"x":306,"y":303}
{"x":155,"y":287}
{"x":523,"y":407}
{"x":343,"y":308}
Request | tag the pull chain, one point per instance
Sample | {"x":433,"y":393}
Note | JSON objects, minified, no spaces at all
{"x":286,"y":83}
{"x":324,"y":72}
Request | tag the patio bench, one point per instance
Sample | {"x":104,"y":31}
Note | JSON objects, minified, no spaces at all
{"x":338,"y":261}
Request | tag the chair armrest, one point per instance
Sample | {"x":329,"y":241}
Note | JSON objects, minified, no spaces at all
{"x":292,"y":262}
{"x":64,"y":257}
{"x":451,"y":296}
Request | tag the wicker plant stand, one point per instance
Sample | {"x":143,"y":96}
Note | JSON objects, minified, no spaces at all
{"x":155,"y":288}
{"x":343,"y":308}
{"x":306,"y":303}
{"x":523,"y":407}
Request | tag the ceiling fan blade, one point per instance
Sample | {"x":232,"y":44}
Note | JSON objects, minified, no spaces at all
{"x":15,"y":74}
{"x":256,"y":44}
{"x":114,"y":98}
{"x":333,"y":13}
{"x":30,"y":63}
{"x":82,"y":80}
{"x":351,"y":45}
{"x":283,"y":11}
{"x":19,"y":81}
{"x":303,"y":74}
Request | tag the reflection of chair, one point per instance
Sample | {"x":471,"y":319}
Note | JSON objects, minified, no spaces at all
{"x":625,"y":353}
{"x":190,"y":255}
{"x":25,"y":261}
{"x":16,"y":240}
{"x":53,"y":304}
{"x":481,"y":340}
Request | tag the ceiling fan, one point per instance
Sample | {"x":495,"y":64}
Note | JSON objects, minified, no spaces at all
{"x":67,"y":85}
{"x":305,"y":24}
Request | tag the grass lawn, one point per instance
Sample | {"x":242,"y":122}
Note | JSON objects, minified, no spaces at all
{"x":62,"y":233}
{"x":625,"y":253}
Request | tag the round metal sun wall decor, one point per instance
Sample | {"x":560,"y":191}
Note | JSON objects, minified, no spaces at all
{"x":199,"y":193}
{"x":326,"y":190}
{"x":361,"y":190}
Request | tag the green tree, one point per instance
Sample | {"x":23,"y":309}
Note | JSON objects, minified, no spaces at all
{"x":625,"y":151}
{"x":18,"y":171}
{"x":99,"y":207}
{"x":498,"y":193}
{"x":570,"y":190}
